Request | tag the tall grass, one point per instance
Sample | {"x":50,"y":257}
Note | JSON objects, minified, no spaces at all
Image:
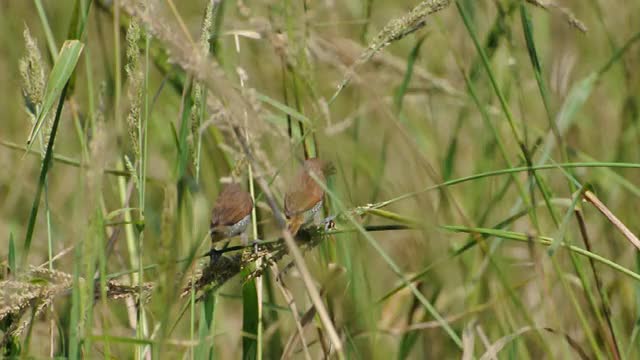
{"x":484,"y":204}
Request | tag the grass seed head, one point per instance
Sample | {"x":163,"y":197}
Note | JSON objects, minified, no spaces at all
{"x":32,"y":74}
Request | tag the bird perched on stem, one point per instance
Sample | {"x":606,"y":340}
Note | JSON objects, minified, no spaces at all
{"x":230,"y":215}
{"x":304,"y":197}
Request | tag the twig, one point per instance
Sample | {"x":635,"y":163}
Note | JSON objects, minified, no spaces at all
{"x":593,"y":199}
{"x":294,"y":311}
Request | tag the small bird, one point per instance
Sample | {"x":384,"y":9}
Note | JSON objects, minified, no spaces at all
{"x":304,"y":197}
{"x":230,"y":215}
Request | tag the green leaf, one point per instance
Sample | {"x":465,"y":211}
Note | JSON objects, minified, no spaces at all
{"x":402,"y":90}
{"x":395,"y":268}
{"x":576,"y":98}
{"x":182,"y":136}
{"x":527,"y":26}
{"x":77,"y":25}
{"x":76,"y":308}
{"x":452,"y":150}
{"x":204,"y":350}
{"x":46,"y":161}
{"x":407,"y":343}
{"x":209,"y":307}
{"x":249,"y":320}
{"x":120,"y":339}
{"x":284,"y":108}
{"x":522,"y":237}
{"x":578,"y":95}
{"x":564,"y":226}
{"x":79,"y":17}
{"x":58,"y":78}
{"x":274,"y":344}
{"x":395,"y":217}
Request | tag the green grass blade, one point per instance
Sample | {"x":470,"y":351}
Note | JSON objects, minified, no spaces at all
{"x":564,"y":226}
{"x":493,"y":173}
{"x":578,"y":95}
{"x":521,"y":237}
{"x":58,"y":78}
{"x":250,"y":320}
{"x":284,"y":108}
{"x":79,"y":19}
{"x":396,"y":269}
{"x":46,"y":163}
{"x":404,"y":86}
{"x":619,"y":52}
{"x":457,"y":252}
{"x":183,"y":146}
{"x":398,"y":99}
{"x":51,"y":42}
{"x":207,"y":310}
{"x":485,"y":61}
{"x":407,"y":343}
{"x":75,"y":31}
{"x":76,"y":308}
{"x":542,"y":87}
{"x":527,"y":26}
{"x":121,"y":339}
{"x":12,"y":254}
{"x":634,"y":344}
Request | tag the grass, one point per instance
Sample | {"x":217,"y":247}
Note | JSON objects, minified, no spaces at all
{"x":484,"y":201}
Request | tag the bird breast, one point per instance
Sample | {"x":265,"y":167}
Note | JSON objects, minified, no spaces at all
{"x":239,"y":227}
{"x":308,"y":216}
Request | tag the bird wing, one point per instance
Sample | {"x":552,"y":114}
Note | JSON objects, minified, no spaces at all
{"x":303,"y":196}
{"x":233,"y":205}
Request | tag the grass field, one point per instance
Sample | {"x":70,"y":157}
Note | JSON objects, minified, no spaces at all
{"x":484,"y":204}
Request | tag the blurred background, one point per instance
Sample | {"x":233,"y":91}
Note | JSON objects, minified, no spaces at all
{"x":430,"y":119}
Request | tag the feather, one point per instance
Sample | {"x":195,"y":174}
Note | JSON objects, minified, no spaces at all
{"x":305,"y":193}
{"x":232,"y":207}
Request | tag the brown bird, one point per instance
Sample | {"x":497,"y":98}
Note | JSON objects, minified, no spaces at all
{"x":304,"y":197}
{"x":230,"y":215}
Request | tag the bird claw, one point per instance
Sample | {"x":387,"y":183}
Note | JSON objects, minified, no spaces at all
{"x":255,"y":244}
{"x":329,"y":223}
{"x":214,"y":255}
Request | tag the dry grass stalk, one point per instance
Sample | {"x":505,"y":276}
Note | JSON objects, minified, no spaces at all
{"x":97,"y":145}
{"x":395,"y":30}
{"x":564,"y":12}
{"x":198,"y":91}
{"x":296,"y":318}
{"x":342,"y":53}
{"x":593,"y":199}
{"x":168,"y":241}
{"x":135,"y":91}
{"x":190,"y":58}
{"x":308,"y":315}
{"x":38,"y":288}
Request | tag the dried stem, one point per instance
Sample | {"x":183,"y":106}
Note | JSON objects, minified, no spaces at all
{"x":593,"y":199}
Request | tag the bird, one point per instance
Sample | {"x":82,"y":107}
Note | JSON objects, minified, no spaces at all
{"x":304,"y":197}
{"x":230,"y":215}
